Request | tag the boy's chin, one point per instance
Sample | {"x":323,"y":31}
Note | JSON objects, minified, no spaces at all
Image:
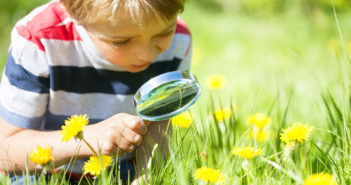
{"x":136,"y":70}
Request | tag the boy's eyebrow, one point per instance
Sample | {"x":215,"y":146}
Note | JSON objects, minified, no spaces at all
{"x":129,"y":37}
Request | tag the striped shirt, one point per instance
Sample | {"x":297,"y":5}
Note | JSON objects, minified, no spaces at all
{"x":53,"y":71}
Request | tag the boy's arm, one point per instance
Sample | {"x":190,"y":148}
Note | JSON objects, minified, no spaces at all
{"x":16,"y":143}
{"x":115,"y":133}
{"x":158,"y":133}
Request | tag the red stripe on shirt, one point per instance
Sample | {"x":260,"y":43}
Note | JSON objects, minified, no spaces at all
{"x":24,"y":32}
{"x":45,"y":25}
{"x":182,"y":27}
{"x":65,"y":32}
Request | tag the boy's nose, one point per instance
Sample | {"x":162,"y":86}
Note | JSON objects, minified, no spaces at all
{"x":148,"y":52}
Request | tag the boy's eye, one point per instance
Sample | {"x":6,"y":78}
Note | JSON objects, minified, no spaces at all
{"x":120,"y":43}
{"x":166,"y":34}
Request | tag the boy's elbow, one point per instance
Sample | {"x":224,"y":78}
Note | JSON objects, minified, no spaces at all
{"x":7,"y":130}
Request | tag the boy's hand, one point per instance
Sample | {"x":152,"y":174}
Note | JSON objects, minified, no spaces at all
{"x":120,"y":133}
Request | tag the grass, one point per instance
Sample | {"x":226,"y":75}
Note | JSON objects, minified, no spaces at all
{"x":286,"y":66}
{"x":292,"y":67}
{"x":264,"y":57}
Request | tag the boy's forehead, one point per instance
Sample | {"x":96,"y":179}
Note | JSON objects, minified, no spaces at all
{"x":125,"y":25}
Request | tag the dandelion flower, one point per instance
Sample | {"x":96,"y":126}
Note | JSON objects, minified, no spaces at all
{"x":260,"y":135}
{"x":74,"y":127}
{"x":222,"y":114}
{"x":246,"y":152}
{"x":183,"y":120}
{"x":259,"y":120}
{"x":209,"y":175}
{"x":296,"y":133}
{"x":41,"y":155}
{"x":93,"y":166}
{"x":320,"y":179}
{"x":215,"y":81}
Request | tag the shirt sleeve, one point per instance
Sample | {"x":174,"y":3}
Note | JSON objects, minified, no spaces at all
{"x":183,"y":50}
{"x":186,"y":62}
{"x":25,"y":84}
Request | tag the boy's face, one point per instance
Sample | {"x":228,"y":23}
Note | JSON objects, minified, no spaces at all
{"x":130,"y":46}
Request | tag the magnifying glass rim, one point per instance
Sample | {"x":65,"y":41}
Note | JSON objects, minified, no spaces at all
{"x":162,"y":79}
{"x":159,"y":80}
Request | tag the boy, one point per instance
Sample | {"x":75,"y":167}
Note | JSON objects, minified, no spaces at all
{"x":87,"y":57}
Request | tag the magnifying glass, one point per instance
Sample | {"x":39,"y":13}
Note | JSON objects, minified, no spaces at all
{"x":166,"y":95}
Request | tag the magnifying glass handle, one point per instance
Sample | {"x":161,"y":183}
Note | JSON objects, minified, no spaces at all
{"x":146,"y":122}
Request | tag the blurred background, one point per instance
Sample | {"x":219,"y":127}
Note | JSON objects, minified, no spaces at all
{"x":260,"y":53}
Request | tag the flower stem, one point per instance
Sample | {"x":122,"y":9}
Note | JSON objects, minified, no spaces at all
{"x":302,"y":159}
{"x":246,"y":167}
{"x":91,"y":148}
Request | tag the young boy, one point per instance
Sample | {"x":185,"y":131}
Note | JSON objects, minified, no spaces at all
{"x":87,"y":57}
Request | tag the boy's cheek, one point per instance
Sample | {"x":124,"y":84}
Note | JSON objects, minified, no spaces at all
{"x":165,"y":43}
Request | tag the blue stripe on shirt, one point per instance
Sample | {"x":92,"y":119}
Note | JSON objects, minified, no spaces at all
{"x":56,"y":121}
{"x":85,"y":79}
{"x":91,"y":80}
{"x":19,"y":120}
{"x":23,"y":79}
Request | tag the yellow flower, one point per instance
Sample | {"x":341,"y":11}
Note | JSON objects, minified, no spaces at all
{"x":259,"y":120}
{"x":320,"y":179}
{"x":246,"y":152}
{"x":93,"y":166}
{"x":41,"y":155}
{"x":260,"y":135}
{"x":349,"y":48}
{"x":183,"y":120}
{"x":209,"y":175}
{"x":222,"y":114}
{"x":74,"y":126}
{"x":215,"y":81}
{"x":296,"y":133}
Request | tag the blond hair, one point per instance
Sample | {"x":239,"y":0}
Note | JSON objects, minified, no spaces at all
{"x":90,"y":11}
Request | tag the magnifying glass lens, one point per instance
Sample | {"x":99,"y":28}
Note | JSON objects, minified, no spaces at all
{"x":168,"y":98}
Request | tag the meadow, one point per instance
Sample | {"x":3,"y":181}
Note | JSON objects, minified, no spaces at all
{"x":260,"y":73}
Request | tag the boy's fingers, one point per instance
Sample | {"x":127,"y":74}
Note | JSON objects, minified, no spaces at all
{"x":124,"y":145}
{"x":131,"y":136}
{"x":114,"y":148}
{"x":135,"y":124}
{"x":137,"y":139}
